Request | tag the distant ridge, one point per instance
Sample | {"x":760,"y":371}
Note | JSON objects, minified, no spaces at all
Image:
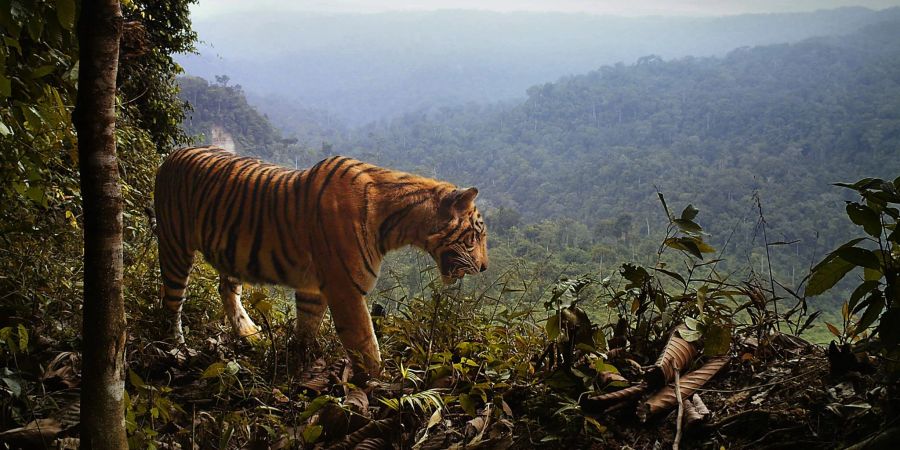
{"x":365,"y":67}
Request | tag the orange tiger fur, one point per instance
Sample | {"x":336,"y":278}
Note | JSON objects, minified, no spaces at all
{"x":322,"y":231}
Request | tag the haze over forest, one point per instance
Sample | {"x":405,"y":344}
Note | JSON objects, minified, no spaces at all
{"x":569,"y":123}
{"x":366,"y":67}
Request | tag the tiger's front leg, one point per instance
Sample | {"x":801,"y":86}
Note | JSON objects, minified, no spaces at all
{"x":231,"y":289}
{"x":354,"y":326}
{"x":310,"y":313}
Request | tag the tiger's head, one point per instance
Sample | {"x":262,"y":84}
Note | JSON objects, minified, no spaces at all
{"x":458,"y":241}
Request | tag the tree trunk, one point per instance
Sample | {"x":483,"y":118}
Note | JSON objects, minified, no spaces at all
{"x":103,"y":328}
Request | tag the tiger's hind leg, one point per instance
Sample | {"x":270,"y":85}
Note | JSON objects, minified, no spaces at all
{"x":230,"y":289}
{"x":310,"y":312}
{"x":175,"y":267}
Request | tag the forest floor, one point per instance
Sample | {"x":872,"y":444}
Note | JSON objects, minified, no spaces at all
{"x":775,"y":392}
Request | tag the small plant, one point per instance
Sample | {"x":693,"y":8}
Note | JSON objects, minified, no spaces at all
{"x":877,"y":253}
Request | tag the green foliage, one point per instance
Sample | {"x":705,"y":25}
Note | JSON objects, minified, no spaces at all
{"x":40,"y":204}
{"x":877,"y":253}
{"x":154,"y":32}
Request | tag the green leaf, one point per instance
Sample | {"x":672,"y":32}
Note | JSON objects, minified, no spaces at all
{"x":688,"y":226}
{"x":717,"y":340}
{"x":552,"y":327}
{"x":35,"y":28}
{"x":136,"y":379}
{"x":215,"y":369}
{"x":826,"y":275}
{"x":689,"y":213}
{"x":4,"y":130}
{"x":597,"y":425}
{"x":5,"y":86}
{"x":315,"y":405}
{"x":36,"y":194}
{"x":672,"y":274}
{"x":860,"y":185}
{"x":865,"y":217}
{"x":690,"y":335}
{"x":889,"y":328}
{"x":859,"y":256}
{"x":704,"y":247}
{"x":860,"y":292}
{"x":871,"y":274}
{"x":14,"y":386}
{"x":65,"y":13}
{"x":42,"y":71}
{"x":872,"y":312}
{"x":828,"y":258}
{"x":692,"y":247}
{"x":599,"y":339}
{"x":692,"y":323}
{"x":232,"y":368}
{"x":468,"y":404}
{"x":312,"y":433}
{"x":684,"y":244}
{"x":662,"y":200}
{"x":637,"y":275}
{"x":23,"y":338}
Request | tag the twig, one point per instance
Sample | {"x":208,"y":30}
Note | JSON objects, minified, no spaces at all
{"x":437,"y":304}
{"x":762,"y":220}
{"x":759,"y":386}
{"x":680,"y":409}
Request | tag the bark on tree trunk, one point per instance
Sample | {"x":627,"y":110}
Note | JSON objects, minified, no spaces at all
{"x":103,"y":328}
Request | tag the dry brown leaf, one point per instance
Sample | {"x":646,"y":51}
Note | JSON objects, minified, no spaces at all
{"x":375,"y":429}
{"x":691,"y":415}
{"x":315,"y":377}
{"x":358,"y":401}
{"x":69,"y":443}
{"x":700,"y":406}
{"x":35,"y":434}
{"x":476,"y":427}
{"x":678,"y":353}
{"x":603,"y":401}
{"x":665,"y":398}
{"x":62,"y":369}
{"x":608,"y":377}
{"x":372,"y":444}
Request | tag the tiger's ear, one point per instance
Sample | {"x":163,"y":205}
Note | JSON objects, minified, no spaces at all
{"x":458,"y":201}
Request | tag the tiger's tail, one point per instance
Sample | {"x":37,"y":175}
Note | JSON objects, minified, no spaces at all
{"x":151,"y":219}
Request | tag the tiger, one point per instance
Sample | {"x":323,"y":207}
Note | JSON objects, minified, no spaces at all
{"x":322,"y":231}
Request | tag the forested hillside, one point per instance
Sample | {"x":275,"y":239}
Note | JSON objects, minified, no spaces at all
{"x":588,"y":152}
{"x":224,"y":106}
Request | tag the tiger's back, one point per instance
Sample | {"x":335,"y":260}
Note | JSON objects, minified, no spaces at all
{"x":243,"y":215}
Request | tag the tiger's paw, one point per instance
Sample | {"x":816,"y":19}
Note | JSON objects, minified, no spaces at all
{"x":249,"y":332}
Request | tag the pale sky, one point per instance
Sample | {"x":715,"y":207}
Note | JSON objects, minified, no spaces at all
{"x":209,"y":8}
